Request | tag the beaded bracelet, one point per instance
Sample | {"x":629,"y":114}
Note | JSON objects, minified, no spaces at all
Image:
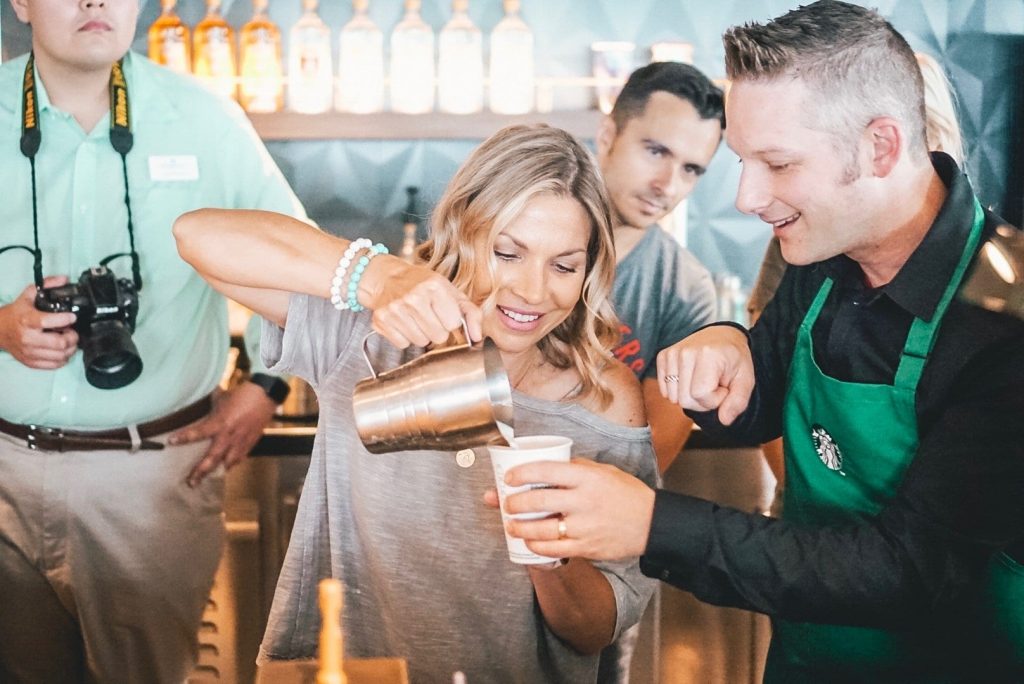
{"x":357,"y":274}
{"x":339,"y":302}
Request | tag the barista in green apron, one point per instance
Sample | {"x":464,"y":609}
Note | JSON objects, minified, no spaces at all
{"x":847,"y":447}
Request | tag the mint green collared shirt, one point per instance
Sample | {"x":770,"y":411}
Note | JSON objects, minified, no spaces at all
{"x":191,"y":150}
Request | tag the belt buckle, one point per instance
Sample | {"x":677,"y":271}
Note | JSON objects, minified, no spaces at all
{"x":37,"y":431}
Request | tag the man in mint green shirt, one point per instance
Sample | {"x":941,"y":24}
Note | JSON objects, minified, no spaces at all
{"x":109,"y":542}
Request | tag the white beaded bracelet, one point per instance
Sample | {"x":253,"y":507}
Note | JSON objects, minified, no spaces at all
{"x":339,"y":299}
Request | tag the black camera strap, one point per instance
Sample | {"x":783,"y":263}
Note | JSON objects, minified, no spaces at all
{"x":121,"y":140}
{"x":30,"y":141}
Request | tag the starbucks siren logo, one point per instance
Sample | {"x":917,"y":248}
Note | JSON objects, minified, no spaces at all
{"x":828,"y":450}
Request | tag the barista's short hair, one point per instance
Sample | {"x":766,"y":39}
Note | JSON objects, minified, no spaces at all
{"x":857,"y":66}
{"x":682,"y":80}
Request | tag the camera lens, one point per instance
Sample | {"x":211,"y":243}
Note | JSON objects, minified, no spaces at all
{"x":110,"y":357}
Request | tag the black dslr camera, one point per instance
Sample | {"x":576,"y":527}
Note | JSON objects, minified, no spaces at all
{"x":105,"y":307}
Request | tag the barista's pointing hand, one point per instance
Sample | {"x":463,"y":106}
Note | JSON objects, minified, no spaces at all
{"x":415,"y":305}
{"x":710,"y":369}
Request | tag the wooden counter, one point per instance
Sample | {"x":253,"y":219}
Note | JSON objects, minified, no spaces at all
{"x":357,"y":671}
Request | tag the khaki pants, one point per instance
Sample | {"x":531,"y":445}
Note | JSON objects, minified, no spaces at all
{"x":106,"y":562}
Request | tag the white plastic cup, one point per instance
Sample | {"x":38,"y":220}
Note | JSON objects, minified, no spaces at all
{"x":503,"y":459}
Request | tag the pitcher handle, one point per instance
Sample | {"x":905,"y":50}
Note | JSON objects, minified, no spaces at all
{"x":366,"y":353}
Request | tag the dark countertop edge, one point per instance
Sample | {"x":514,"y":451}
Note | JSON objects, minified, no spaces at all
{"x":286,"y":438}
{"x":295,"y":438}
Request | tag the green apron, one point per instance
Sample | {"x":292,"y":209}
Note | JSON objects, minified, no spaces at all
{"x":847,"y":447}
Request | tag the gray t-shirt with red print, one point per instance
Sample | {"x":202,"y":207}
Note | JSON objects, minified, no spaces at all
{"x":662,"y":293}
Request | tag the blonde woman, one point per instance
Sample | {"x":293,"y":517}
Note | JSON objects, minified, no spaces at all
{"x":522,"y":249}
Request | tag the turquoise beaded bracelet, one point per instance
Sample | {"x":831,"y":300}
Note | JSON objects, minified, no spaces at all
{"x":341,"y":303}
{"x":357,"y":274}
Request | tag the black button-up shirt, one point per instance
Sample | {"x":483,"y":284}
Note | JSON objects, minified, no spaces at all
{"x":962,"y":497}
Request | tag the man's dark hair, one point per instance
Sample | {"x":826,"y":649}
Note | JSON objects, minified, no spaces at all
{"x":682,"y":80}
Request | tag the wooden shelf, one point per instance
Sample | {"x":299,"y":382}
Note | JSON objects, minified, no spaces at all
{"x":433,"y":126}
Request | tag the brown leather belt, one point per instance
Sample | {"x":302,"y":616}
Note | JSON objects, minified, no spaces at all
{"x":39,"y":437}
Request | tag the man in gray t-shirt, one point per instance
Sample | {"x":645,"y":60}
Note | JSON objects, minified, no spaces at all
{"x":656,"y":143}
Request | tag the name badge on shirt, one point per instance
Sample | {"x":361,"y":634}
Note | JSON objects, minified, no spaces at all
{"x":184,"y":167}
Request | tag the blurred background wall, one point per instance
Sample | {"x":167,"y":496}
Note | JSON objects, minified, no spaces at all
{"x":357,"y":187}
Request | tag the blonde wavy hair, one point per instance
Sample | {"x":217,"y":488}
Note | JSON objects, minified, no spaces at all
{"x":486,"y":195}
{"x":941,"y":126}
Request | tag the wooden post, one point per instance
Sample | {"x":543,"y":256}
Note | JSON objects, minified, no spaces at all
{"x":332,"y":639}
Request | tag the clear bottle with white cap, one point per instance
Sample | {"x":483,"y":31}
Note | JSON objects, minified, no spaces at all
{"x":360,"y":64}
{"x":310,"y":78}
{"x":732,"y":300}
{"x":412,"y":63}
{"x":460,"y":63}
{"x":511,"y":77}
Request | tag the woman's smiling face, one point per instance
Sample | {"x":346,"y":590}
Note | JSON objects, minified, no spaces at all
{"x":541,"y":260}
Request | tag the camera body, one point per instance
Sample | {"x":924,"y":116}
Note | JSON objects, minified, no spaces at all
{"x":105,"y":309}
{"x":98,"y":295}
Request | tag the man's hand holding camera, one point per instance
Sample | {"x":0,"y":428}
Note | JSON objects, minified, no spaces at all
{"x":36,"y":338}
{"x":47,"y":340}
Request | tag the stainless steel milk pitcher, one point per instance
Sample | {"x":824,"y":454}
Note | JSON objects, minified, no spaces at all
{"x":450,"y":398}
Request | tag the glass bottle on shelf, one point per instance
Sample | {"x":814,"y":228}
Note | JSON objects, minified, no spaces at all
{"x":262,"y":82}
{"x":409,"y":225}
{"x":213,"y":51}
{"x":310,"y":81}
{"x":412,"y":63}
{"x":460,"y":64}
{"x":732,"y":300}
{"x":360,"y":64}
{"x":169,"y":40}
{"x":511,"y":90}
